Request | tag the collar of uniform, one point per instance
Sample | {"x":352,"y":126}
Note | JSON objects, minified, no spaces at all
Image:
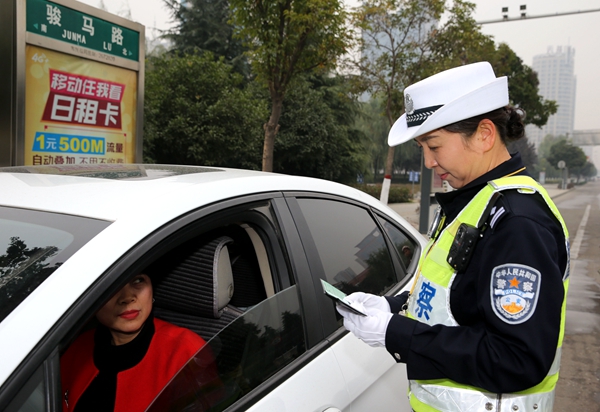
{"x":453,"y":202}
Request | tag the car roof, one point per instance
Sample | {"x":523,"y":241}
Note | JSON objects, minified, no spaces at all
{"x":109,"y":192}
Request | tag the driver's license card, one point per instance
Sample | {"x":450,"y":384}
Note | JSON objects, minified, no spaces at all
{"x":340,"y":296}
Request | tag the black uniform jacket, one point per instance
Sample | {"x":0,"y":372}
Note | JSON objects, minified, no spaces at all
{"x":487,"y":350}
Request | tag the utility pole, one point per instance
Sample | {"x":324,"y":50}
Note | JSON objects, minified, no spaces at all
{"x":524,"y":16}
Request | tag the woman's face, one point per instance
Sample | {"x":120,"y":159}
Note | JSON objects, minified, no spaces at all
{"x":451,"y":157}
{"x":125,"y":313}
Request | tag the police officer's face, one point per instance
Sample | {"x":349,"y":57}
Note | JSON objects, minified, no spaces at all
{"x":451,"y":157}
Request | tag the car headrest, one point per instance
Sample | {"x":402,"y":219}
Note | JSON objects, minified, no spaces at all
{"x":198,"y":279}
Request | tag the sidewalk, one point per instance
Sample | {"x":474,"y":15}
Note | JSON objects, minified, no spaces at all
{"x":410,"y":211}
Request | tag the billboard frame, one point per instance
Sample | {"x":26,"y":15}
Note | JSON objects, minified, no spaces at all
{"x":22,"y":38}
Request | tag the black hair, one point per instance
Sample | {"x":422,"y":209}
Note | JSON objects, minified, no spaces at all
{"x":508,"y":121}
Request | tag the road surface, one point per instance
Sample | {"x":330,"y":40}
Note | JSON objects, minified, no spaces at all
{"x":578,"y":387}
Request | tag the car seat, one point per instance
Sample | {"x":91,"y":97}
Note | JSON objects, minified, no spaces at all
{"x":196,"y":286}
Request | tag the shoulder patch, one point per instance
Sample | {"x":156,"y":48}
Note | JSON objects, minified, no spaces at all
{"x":495,"y":215}
{"x":514,"y":291}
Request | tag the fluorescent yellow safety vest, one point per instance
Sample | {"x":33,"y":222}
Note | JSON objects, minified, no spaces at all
{"x":436,"y":275}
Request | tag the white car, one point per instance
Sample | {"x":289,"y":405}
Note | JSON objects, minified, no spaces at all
{"x":71,"y":236}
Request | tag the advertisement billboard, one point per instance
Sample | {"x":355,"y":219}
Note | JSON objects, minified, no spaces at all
{"x":75,"y":93}
{"x":77,"y":111}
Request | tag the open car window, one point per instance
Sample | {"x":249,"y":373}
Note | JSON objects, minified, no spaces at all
{"x":239,"y":358}
{"x":225,"y":278}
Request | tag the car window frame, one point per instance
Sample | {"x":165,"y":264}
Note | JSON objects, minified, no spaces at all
{"x":411,"y":268}
{"x":329,"y":318}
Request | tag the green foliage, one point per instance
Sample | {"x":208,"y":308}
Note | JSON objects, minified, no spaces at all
{"x":398,"y":194}
{"x":527,"y":151}
{"x":547,"y":143}
{"x":402,"y":43}
{"x":197,"y":113}
{"x":587,"y":170}
{"x":394,"y":40}
{"x":375,"y":127}
{"x":459,"y":41}
{"x":317,"y":136}
{"x":284,"y":39}
{"x":203,"y":25}
{"x":289,"y":37}
{"x":522,"y":86}
{"x":22,"y":269}
{"x":573,"y":156}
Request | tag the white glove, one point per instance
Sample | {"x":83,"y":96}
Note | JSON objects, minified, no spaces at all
{"x":370,"y":301}
{"x":371,"y":328}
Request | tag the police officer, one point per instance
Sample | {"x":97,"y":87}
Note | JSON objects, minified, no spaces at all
{"x":482,"y":327}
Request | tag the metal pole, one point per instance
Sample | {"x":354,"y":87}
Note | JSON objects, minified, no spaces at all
{"x":426,"y":178}
{"x":537,"y":17}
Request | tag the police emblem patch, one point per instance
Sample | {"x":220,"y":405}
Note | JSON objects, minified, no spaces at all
{"x":514,"y":292}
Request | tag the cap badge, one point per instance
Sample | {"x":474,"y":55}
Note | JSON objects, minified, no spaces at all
{"x":409,"y":106}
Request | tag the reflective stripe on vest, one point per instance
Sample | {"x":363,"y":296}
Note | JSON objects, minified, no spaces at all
{"x":430,"y":304}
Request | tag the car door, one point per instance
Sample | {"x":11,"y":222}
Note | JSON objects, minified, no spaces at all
{"x":357,"y":249}
{"x":272,"y":357}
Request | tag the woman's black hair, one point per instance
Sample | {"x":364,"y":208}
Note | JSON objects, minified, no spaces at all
{"x":508,"y":121}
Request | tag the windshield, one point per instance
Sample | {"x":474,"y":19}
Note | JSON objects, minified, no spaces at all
{"x":34,"y":244}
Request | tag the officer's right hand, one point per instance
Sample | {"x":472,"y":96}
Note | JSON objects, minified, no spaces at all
{"x":369,"y":301}
{"x":370,"y":329}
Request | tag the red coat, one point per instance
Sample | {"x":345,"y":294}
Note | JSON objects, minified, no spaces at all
{"x":170,"y":349}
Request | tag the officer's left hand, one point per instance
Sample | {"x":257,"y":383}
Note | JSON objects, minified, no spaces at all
{"x":371,"y":328}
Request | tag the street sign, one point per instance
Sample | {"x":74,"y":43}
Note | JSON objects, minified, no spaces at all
{"x":62,"y":23}
{"x":561,"y":164}
{"x":413,"y":176}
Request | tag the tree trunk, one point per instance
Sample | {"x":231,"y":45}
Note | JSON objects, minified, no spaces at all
{"x":387,"y":178}
{"x":271,"y":129}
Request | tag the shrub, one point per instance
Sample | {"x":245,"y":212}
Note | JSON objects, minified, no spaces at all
{"x":398,"y":194}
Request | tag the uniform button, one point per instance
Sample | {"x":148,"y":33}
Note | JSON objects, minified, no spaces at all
{"x":515,"y":408}
{"x":397,"y":356}
{"x":535,"y":406}
{"x":489,"y":406}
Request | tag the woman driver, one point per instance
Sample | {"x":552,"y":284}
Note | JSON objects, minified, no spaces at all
{"x":125,"y":362}
{"x":482,"y":328}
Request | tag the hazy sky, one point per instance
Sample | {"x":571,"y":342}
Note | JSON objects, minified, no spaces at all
{"x":526,"y":37}
{"x":532,"y":37}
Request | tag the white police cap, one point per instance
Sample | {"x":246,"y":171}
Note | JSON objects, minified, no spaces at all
{"x":448,"y":97}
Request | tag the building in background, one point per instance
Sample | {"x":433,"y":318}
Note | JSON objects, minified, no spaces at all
{"x":555,"y":71}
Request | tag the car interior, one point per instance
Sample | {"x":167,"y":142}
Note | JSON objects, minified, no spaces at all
{"x":205,"y":282}
{"x":208,"y":282}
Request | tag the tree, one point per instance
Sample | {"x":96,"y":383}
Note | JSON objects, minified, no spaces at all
{"x":523,"y":86}
{"x":196,"y":112}
{"x":394,"y":39}
{"x":546,"y":144}
{"x":587,"y":170}
{"x":22,"y":269}
{"x":375,"y":127}
{"x":563,"y":150}
{"x":527,"y":151}
{"x":286,"y":38}
{"x":317,"y":136}
{"x":203,"y":25}
{"x":402,"y":43}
